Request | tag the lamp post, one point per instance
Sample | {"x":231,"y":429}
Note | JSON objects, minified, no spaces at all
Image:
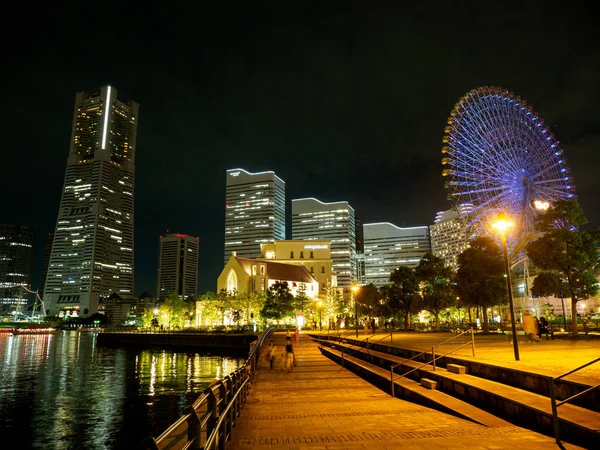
{"x":354,"y":291}
{"x":502,"y":224}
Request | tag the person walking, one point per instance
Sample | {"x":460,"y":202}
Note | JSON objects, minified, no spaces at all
{"x":297,"y":336}
{"x":529,"y":327}
{"x":543,"y":328}
{"x":289,"y":351}
{"x":272,"y":353}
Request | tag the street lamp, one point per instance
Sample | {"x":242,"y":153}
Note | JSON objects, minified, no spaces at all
{"x":320,"y":308}
{"x":502,"y":224}
{"x":354,"y":291}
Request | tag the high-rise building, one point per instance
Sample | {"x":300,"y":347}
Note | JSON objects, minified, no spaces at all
{"x":16,"y":265}
{"x":46,"y":262}
{"x":177,"y":266}
{"x":92,"y":252}
{"x":254,"y":212}
{"x":449,"y":236}
{"x":313,"y":219}
{"x":360,"y":253}
{"x":388,"y":247}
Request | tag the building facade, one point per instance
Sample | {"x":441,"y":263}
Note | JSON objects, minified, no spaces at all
{"x":448,"y":237}
{"x":46,"y":262}
{"x":244,"y":275}
{"x":335,"y":222}
{"x":254,"y":212}
{"x":388,"y":247}
{"x":177,"y":266}
{"x":17,"y":252}
{"x":315,"y":256}
{"x":92,"y":252}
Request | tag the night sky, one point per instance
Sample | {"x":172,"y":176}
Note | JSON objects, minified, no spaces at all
{"x":344,"y":100}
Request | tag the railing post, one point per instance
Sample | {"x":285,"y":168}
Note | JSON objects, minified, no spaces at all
{"x":391,"y":335}
{"x":433,"y":357}
{"x":194,"y":429}
{"x":555,"y":423}
{"x":392,"y":380}
{"x":211,"y":408}
{"x":342,"y":357}
{"x":472,"y":342}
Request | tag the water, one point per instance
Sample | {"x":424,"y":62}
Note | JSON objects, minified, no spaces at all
{"x":63,"y":392}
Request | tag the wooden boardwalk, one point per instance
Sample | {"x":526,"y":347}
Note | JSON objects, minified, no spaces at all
{"x":321,"y":406}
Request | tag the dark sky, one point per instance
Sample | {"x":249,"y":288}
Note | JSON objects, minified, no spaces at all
{"x":344,"y":100}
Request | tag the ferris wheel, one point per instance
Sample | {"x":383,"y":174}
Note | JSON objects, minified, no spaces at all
{"x":499,"y":156}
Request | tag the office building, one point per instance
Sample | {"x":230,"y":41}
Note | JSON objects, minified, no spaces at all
{"x":177,"y":266}
{"x":46,"y":262}
{"x":314,"y":255}
{"x":313,"y":219}
{"x":448,"y":237}
{"x":388,"y":247}
{"x":360,"y":253}
{"x":254,"y":212}
{"x":16,"y":265}
{"x":92,"y":253}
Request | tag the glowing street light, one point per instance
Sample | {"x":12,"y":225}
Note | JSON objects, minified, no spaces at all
{"x":502,"y":224}
{"x":354,"y":291}
{"x":541,"y":205}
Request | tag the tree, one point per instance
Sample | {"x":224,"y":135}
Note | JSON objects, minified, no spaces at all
{"x":403,"y":294}
{"x":436,"y":292}
{"x":249,"y":305}
{"x":174,"y":311}
{"x":278,"y":303}
{"x":568,"y":255}
{"x":368,"y":298}
{"x":301,"y":303}
{"x":211,"y":308}
{"x":480,"y":277}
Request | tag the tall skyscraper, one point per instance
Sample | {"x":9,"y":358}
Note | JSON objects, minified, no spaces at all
{"x":16,"y":265}
{"x":388,"y":247}
{"x":313,"y":219}
{"x":46,"y":262}
{"x":177,"y":266}
{"x":449,"y":236}
{"x":92,"y":252}
{"x":254,"y":212}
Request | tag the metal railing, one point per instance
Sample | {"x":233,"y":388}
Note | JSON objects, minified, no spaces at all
{"x":359,"y":347}
{"x":208,"y":423}
{"x":555,"y":404}
{"x":433,"y":357}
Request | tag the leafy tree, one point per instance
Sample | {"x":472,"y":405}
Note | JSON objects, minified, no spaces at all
{"x":437,"y":293}
{"x":174,"y":311}
{"x":480,"y":277}
{"x":212,"y":308}
{"x":332,"y":304}
{"x":248,"y":305}
{"x":278,"y":303}
{"x":403,"y":294}
{"x":568,"y":255}
{"x":302,"y":302}
{"x":368,"y":298}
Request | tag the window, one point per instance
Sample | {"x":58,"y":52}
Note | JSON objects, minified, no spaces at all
{"x":312,"y":269}
{"x":232,"y":281}
{"x":291,"y":255}
{"x":312,"y":254}
{"x":322,"y":269}
{"x":262,"y":270}
{"x":301,"y":255}
{"x":254,"y":269}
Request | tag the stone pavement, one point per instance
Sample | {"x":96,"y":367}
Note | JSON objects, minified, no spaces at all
{"x":321,"y":406}
{"x":547,"y":357}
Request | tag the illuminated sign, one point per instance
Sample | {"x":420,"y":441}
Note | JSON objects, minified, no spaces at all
{"x":234,"y":174}
{"x":316,"y":247}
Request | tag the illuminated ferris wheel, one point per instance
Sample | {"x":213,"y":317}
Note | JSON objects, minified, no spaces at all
{"x":499,"y":156}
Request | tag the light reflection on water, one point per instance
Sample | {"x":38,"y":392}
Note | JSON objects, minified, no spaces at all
{"x":62,"y":392}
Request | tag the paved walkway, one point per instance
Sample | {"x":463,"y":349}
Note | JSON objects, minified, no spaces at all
{"x":321,"y":406}
{"x":547,"y":357}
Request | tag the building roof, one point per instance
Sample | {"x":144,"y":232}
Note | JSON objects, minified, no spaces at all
{"x":279,"y":271}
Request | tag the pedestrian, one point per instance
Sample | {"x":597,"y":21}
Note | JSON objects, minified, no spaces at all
{"x":288,"y":335}
{"x":297,"y":336}
{"x":543,"y":327}
{"x":529,"y":327}
{"x":272,"y":353}
{"x":289,"y":351}
{"x":373,"y":325}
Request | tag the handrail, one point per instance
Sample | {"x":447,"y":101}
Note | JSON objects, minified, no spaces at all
{"x":215,"y":412}
{"x":555,"y":404}
{"x":359,"y":347}
{"x":433,"y":357}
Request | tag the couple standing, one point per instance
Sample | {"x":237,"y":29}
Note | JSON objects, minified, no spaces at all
{"x":288,"y":358}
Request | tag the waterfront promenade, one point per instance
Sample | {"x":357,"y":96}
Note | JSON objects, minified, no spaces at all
{"x":321,"y":406}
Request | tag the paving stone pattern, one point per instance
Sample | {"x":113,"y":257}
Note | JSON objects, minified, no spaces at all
{"x":320,"y":406}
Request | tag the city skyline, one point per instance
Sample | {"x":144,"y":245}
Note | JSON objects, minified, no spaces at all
{"x":341,"y":101}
